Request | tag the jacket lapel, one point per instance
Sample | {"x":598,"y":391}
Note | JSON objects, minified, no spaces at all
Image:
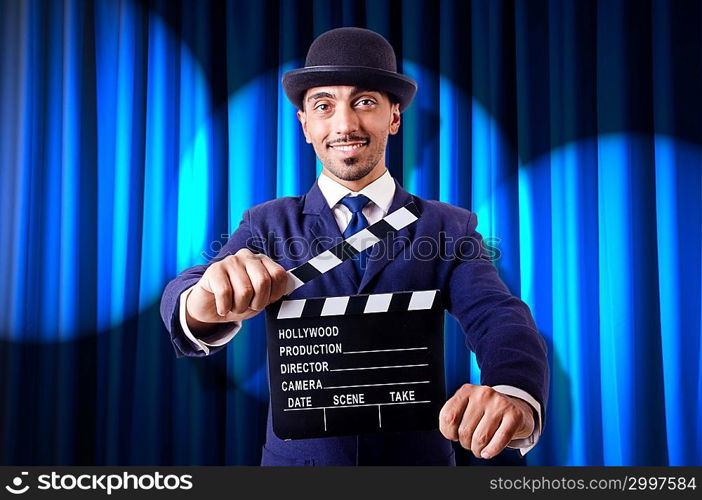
{"x":323,"y":227}
{"x":386,"y":250}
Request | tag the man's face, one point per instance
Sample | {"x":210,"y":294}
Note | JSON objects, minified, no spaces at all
{"x":348,"y":128}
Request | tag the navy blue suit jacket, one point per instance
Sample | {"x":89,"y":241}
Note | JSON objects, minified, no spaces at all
{"x":498,"y":326}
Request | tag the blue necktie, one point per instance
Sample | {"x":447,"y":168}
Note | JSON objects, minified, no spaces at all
{"x":358,"y":221}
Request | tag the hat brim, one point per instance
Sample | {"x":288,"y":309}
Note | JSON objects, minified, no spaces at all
{"x":296,"y":82}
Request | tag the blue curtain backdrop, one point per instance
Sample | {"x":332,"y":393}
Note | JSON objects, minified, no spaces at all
{"x":134,"y":134}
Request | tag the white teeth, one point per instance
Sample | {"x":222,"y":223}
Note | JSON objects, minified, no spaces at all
{"x":348,"y":148}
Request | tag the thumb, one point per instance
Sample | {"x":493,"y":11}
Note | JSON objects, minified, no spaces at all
{"x":204,"y":284}
{"x":231,"y":316}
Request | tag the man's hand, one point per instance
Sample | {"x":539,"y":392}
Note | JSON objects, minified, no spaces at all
{"x":235,"y":288}
{"x":484,"y":420}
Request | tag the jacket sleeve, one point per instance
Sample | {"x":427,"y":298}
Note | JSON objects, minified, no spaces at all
{"x":498,"y":326}
{"x":170,"y":300}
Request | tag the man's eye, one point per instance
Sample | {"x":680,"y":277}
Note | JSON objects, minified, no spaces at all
{"x":321,"y":107}
{"x":366,"y":102}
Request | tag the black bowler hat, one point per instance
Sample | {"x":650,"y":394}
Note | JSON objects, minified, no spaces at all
{"x":350,"y":56}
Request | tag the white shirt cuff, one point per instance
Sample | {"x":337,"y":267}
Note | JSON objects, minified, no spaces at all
{"x":225,"y":333}
{"x":525,"y":444}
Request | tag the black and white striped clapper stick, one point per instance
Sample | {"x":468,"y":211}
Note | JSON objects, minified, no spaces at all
{"x":358,"y":304}
{"x":351,"y":246}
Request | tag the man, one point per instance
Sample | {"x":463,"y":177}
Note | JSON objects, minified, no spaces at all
{"x":350,"y":98}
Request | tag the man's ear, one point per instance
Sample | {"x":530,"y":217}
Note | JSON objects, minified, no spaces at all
{"x":394,"y":118}
{"x":303,"y":121}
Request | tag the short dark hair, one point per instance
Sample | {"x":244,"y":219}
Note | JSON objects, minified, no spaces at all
{"x":392,"y":97}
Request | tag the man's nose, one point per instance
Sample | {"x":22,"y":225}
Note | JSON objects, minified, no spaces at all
{"x":346,"y":120}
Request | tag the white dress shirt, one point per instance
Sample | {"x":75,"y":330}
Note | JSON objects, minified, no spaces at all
{"x":380,"y":192}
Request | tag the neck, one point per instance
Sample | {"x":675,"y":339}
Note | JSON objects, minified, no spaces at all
{"x":359,"y":184}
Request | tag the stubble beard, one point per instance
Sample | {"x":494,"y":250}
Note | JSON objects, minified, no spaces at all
{"x":350,"y":169}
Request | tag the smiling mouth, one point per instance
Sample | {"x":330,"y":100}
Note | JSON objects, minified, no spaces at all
{"x":348,"y":146}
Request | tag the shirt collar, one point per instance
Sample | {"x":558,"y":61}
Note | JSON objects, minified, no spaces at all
{"x":381,"y":191}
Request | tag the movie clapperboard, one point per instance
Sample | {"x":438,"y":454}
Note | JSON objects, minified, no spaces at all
{"x":360,"y":363}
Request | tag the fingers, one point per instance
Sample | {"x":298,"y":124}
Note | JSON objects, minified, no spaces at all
{"x":240,"y":286}
{"x":471,"y":419}
{"x":481,"y":419}
{"x":217,"y":281}
{"x":268,"y":278}
{"x":501,"y":438}
{"x":260,"y":281}
{"x":231,"y":316}
{"x":243,"y":288}
{"x":452,"y":412}
{"x":483,"y":432}
{"x":279,"y":278}
{"x":229,"y":282}
{"x":244,"y":284}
